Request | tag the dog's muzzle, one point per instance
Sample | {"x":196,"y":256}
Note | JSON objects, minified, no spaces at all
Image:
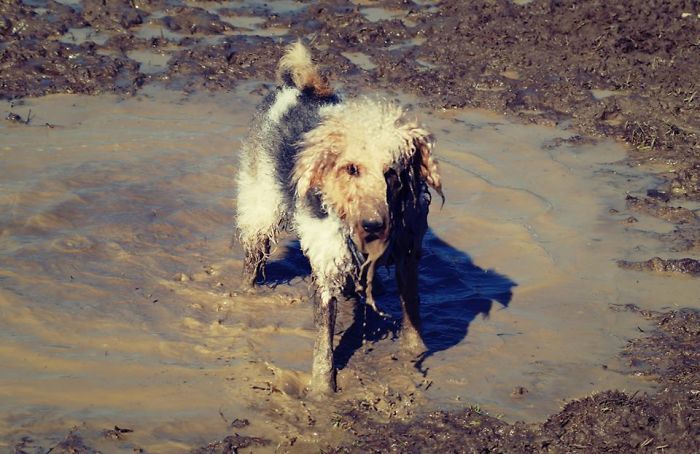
{"x":373,"y":226}
{"x":372,"y":229}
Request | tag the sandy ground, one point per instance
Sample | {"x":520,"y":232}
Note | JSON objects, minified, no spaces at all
{"x":121,"y":319}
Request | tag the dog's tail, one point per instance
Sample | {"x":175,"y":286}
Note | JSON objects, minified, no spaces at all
{"x":296,"y":69}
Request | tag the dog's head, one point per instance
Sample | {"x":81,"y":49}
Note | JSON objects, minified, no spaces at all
{"x":349,"y":157}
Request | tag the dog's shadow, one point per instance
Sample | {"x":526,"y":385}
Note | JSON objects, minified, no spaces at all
{"x":453,"y":292}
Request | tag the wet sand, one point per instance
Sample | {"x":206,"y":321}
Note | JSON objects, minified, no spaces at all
{"x":120,"y":295}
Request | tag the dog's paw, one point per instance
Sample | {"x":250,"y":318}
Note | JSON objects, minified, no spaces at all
{"x":411,"y":341}
{"x":321,"y":387}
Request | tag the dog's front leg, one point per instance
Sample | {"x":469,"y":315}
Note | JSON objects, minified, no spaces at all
{"x":407,"y":280}
{"x":323,"y":370}
{"x":324,"y":242}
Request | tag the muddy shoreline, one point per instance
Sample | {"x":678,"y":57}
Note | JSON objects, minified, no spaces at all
{"x":610,"y":421}
{"x":625,"y":71}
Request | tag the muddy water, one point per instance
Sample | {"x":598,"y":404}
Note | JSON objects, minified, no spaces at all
{"x":119,"y":294}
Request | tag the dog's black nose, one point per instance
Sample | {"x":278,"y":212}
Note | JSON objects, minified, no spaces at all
{"x":373,"y":225}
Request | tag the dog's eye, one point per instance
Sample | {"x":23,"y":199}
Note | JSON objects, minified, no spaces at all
{"x":352,"y":169}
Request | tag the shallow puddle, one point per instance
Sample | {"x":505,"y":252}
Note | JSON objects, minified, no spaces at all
{"x":378,"y":14}
{"x":270,"y":32}
{"x":413,"y":42}
{"x":279,"y":7}
{"x":120,"y":302}
{"x":213,"y":6}
{"x":248,"y":22}
{"x":152,"y":30}
{"x":360,"y":59}
{"x":599,"y":93}
{"x":425,"y":65}
{"x":152,"y":61}
{"x":85,"y":34}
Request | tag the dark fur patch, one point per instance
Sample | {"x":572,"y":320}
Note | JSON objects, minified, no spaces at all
{"x":315,"y":203}
{"x":300,"y":119}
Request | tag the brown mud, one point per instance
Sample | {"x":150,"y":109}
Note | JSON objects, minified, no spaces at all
{"x":610,"y":421}
{"x":625,"y":70}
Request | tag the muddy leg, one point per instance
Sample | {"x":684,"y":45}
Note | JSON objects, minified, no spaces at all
{"x":323,"y":370}
{"x":369,"y":274}
{"x":325,"y":245}
{"x":254,"y":263}
{"x":407,"y":279}
{"x":261,"y":212}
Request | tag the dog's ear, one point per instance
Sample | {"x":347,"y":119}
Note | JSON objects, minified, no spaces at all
{"x":422,"y":147}
{"x":317,"y":156}
{"x":312,"y":165}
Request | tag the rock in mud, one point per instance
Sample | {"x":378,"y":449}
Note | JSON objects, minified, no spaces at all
{"x":680,"y":266}
{"x":687,"y":181}
{"x":113,"y":14}
{"x":194,"y":20}
{"x":231,"y":444}
{"x":671,"y":353}
{"x":72,"y":444}
{"x":655,"y":207}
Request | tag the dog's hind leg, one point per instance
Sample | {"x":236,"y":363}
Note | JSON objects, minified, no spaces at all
{"x":256,"y":254}
{"x":260,"y":217}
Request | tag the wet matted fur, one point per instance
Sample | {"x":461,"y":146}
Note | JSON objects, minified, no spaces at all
{"x":350,"y":178}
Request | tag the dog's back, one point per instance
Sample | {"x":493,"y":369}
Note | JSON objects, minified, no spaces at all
{"x":287,"y":113}
{"x":267,"y":157}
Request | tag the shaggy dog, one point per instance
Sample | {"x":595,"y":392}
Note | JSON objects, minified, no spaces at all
{"x":350,"y":178}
